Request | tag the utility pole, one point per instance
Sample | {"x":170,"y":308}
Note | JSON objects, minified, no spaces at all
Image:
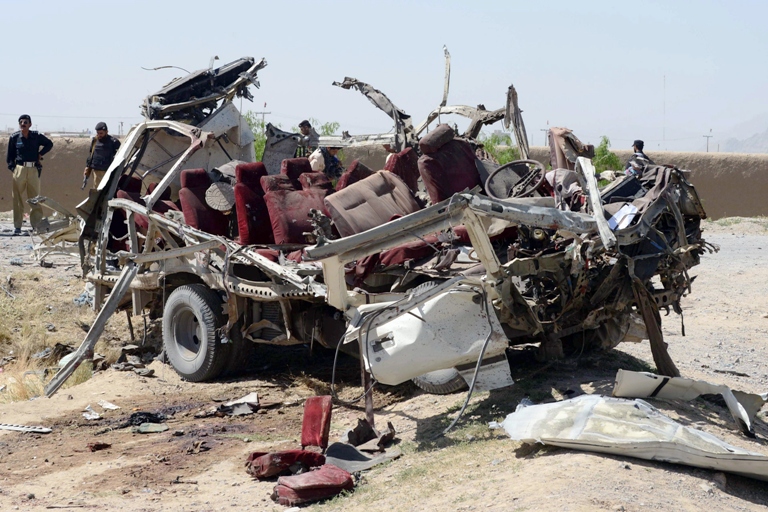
{"x":708,"y":137}
{"x":546,"y":133}
{"x":263,"y":113}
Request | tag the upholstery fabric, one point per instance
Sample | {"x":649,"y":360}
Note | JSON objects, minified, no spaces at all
{"x":275,"y":182}
{"x":354,"y":173}
{"x":289,"y":210}
{"x":295,"y":167}
{"x":405,"y":165}
{"x":449,"y":170}
{"x":315,"y":180}
{"x":197,"y":213}
{"x":370,"y":203}
{"x":436,"y":139}
{"x":254,"y":226}
{"x":317,"y":421}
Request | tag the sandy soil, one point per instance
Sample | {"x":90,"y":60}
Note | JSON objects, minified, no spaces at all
{"x":473,"y":468}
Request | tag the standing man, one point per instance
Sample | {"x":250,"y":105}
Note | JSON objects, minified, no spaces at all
{"x":325,"y":160}
{"x":103,"y":150}
{"x":638,"y":160}
{"x":25,"y":151}
{"x":308,"y":145}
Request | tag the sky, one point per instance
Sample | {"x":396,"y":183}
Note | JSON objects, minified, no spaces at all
{"x":665,"y":72}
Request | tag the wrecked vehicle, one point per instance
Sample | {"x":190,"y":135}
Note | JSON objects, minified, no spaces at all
{"x":233,"y":253}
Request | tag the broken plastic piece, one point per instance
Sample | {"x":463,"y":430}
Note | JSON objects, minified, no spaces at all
{"x":743,"y":406}
{"x":90,"y":414}
{"x":628,"y":427}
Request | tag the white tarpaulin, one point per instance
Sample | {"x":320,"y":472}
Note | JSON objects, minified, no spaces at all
{"x":628,"y":427}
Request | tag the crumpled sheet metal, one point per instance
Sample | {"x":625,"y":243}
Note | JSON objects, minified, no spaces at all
{"x":632,"y":428}
{"x":743,"y":406}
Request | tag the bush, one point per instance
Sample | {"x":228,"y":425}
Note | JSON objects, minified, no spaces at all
{"x":500,"y":147}
{"x":605,"y":159}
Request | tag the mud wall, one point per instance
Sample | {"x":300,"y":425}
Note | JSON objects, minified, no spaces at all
{"x":729,"y":184}
{"x":62,"y":173}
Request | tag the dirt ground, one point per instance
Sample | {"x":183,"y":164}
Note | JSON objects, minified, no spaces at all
{"x":472,"y":468}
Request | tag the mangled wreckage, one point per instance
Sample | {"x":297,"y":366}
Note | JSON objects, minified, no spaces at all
{"x":428,"y":269}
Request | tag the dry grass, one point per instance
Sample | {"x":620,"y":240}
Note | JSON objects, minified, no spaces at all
{"x":41,"y":315}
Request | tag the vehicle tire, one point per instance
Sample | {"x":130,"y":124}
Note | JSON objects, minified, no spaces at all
{"x":441,"y":382}
{"x":191,"y":318}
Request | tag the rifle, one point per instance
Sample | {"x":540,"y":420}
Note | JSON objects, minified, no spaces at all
{"x":85,"y":182}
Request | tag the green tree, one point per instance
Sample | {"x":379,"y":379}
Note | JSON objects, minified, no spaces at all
{"x":500,"y":147}
{"x":604,"y":158}
{"x":259,"y":129}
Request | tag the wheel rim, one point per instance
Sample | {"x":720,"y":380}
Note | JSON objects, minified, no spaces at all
{"x":187,"y":334}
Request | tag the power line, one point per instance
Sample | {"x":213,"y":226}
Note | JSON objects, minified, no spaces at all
{"x":75,"y":117}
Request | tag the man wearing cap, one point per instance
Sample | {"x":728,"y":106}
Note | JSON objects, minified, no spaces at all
{"x":25,"y":151}
{"x":102,"y":152}
{"x":325,"y":160}
{"x":305,"y":148}
{"x":638,"y":160}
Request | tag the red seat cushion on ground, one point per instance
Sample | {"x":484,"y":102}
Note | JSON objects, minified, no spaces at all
{"x":311,"y":486}
{"x":405,"y":165}
{"x":317,"y":421}
{"x":354,"y":173}
{"x":253,"y":222}
{"x":295,"y":167}
{"x":289,"y":210}
{"x":197,"y":213}
{"x":369,"y":203}
{"x":449,"y":170}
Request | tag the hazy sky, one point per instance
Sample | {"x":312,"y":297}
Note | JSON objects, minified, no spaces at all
{"x":598,"y":67}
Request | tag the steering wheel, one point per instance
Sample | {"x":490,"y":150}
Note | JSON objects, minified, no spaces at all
{"x":500,"y":186}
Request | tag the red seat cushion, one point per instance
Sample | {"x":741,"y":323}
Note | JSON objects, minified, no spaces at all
{"x":250,"y":174}
{"x":369,"y":203}
{"x":317,"y":421}
{"x":315,"y":180}
{"x":277,"y":182}
{"x":354,"y":173}
{"x":289,"y":210}
{"x":295,"y":167}
{"x":326,"y":482}
{"x":132,"y":184}
{"x":405,"y":165}
{"x":265,"y":465}
{"x":197,"y":213}
{"x":437,"y":138}
{"x":449,"y":170}
{"x":253,"y":222}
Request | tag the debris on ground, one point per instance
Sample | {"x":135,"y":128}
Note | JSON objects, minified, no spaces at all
{"x":325,"y":482}
{"x":90,"y":414}
{"x":25,"y":428}
{"x":94,"y":447}
{"x":108,"y":405}
{"x":149,"y":428}
{"x":743,"y":406}
{"x":16,"y":261}
{"x":634,"y":428}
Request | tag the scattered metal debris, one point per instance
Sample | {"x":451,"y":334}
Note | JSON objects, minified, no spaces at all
{"x":149,"y":428}
{"x":743,"y":406}
{"x":24,"y":428}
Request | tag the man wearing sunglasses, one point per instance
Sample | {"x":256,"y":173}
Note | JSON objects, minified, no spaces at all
{"x":103,"y":150}
{"x":25,"y":151}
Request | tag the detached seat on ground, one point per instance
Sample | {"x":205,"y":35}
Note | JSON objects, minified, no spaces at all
{"x":447,"y":165}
